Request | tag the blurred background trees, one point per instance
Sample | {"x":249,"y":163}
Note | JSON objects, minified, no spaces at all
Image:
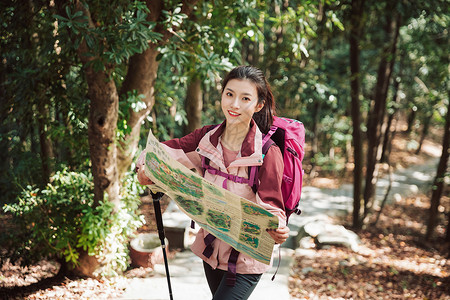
{"x":82,"y":82}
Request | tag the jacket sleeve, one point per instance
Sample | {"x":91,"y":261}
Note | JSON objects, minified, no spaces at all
{"x":270,"y":177}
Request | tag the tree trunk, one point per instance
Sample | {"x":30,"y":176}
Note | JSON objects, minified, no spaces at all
{"x":386,"y":195}
{"x":47,"y":156}
{"x":378,"y":108}
{"x":315,"y":138}
{"x":438,"y":184}
{"x":388,"y":135}
{"x":103,"y":116}
{"x":66,"y":153}
{"x":5,"y":127}
{"x":141,"y":76}
{"x":411,"y":119}
{"x":447,"y":234}
{"x":425,"y":130}
{"x":45,"y":146}
{"x":355,"y":36}
{"x":317,"y":106}
{"x":194,"y":105}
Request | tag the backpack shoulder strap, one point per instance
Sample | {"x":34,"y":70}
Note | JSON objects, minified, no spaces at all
{"x":269,"y":134}
{"x":267,"y":145}
{"x":254,"y":170}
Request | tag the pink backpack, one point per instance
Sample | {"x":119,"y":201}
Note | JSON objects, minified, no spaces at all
{"x":289,"y":136}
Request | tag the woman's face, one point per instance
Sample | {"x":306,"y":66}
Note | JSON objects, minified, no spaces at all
{"x":240,"y":102}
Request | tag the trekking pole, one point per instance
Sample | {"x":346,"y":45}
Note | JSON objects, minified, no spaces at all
{"x":159,"y":223}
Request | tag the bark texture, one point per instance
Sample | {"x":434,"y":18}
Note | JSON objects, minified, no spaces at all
{"x":47,"y":155}
{"x":194,"y":105}
{"x":103,"y":115}
{"x":438,"y":185}
{"x":378,"y":106}
{"x":355,"y":36}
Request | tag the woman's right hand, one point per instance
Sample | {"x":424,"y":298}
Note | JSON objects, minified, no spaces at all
{"x":140,"y":165}
{"x":142,"y":178}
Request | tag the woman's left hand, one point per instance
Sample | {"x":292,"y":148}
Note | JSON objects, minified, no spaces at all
{"x":279,"y":235}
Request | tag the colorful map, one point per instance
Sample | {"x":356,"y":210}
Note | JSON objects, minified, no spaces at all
{"x":249,"y":240}
{"x":251,"y":228}
{"x":190,"y":206}
{"x":219,"y":220}
{"x":272,"y":225}
{"x":236,"y":221}
{"x":213,"y":189}
{"x":174,"y":178}
{"x":253,"y":209}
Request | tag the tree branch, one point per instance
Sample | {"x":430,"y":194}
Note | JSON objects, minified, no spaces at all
{"x":141,"y":76}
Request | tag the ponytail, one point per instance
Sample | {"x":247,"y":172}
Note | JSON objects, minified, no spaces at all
{"x":264,"y":117}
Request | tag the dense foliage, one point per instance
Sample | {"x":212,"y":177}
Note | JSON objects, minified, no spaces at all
{"x":60,"y":220}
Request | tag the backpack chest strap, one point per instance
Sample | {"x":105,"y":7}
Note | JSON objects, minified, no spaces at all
{"x":235,"y":178}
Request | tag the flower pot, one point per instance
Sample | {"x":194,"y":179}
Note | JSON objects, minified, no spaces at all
{"x":146,"y":251}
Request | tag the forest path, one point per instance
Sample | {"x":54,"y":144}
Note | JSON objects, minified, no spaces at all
{"x":318,"y":206}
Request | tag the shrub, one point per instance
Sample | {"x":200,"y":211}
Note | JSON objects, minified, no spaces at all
{"x":57,"y":222}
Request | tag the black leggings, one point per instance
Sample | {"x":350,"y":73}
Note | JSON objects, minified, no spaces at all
{"x":244,"y":286}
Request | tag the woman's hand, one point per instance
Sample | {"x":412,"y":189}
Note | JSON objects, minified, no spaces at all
{"x":279,"y":235}
{"x":142,"y":178}
{"x":140,"y":165}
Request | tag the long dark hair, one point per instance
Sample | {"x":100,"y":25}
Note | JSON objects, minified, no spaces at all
{"x":263,"y":118}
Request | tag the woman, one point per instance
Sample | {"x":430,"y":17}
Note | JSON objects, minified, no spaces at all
{"x":248,"y":105}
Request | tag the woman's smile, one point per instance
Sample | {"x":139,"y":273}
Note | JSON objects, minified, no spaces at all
{"x":233,"y":113}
